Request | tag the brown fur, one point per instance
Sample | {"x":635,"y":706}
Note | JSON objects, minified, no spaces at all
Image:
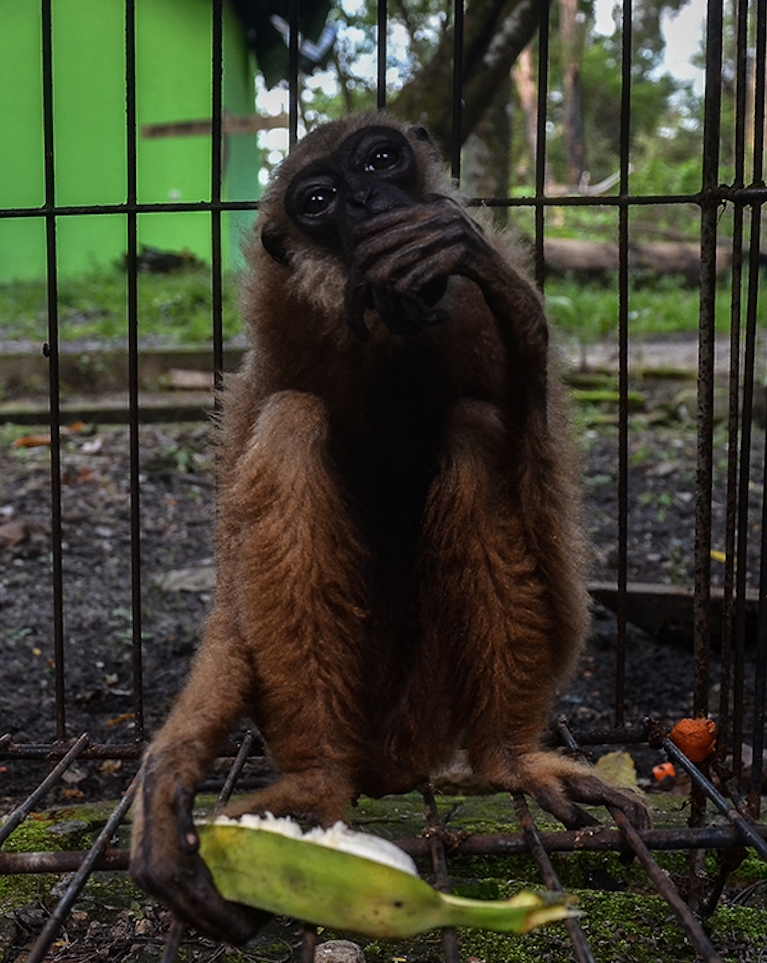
{"x":400,"y":562}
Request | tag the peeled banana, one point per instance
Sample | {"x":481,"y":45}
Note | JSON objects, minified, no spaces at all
{"x":351,"y":881}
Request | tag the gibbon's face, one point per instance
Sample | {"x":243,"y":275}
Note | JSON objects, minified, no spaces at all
{"x":372,"y":171}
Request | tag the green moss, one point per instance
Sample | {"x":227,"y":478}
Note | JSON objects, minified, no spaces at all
{"x":739,"y":924}
{"x":18,"y":890}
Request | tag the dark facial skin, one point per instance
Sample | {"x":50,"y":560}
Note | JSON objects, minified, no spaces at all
{"x":372,"y":173}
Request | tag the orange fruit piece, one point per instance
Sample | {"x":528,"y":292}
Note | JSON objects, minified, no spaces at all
{"x":664,"y":769}
{"x":695,"y":737}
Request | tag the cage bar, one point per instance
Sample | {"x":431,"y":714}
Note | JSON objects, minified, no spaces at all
{"x":747,"y":194}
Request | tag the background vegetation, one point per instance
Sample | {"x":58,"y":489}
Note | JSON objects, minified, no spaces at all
{"x":583,"y":111}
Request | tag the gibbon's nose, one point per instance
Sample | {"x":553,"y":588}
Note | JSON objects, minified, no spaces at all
{"x":366,"y":199}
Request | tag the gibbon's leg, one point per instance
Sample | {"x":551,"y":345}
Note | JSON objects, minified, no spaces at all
{"x":297,"y":568}
{"x":283,"y":644}
{"x":164,"y":845}
{"x":485,"y":593}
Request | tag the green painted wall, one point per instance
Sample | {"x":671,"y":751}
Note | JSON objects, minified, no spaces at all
{"x":173,"y":63}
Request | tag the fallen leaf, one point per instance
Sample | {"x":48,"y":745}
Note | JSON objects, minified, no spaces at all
{"x":32,"y":441}
{"x":92,"y":447}
{"x":73,"y":775}
{"x":618,"y":769}
{"x":13,"y":534}
{"x":200,"y":579}
{"x":123,"y":717}
{"x":72,"y":794}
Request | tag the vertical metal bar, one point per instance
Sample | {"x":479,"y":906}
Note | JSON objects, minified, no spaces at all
{"x":52,"y":351}
{"x":292,"y":73}
{"x":738,"y":693}
{"x":216,"y":176}
{"x":381,"y":43}
{"x":540,"y":143}
{"x":308,"y":943}
{"x":439,"y":864}
{"x":133,"y":391}
{"x":705,"y":411}
{"x":733,"y":626}
{"x":623,"y":363}
{"x":456,"y":138}
{"x":580,"y":946}
{"x":760,"y":682}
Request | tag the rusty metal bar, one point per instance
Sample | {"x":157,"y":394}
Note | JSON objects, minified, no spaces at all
{"x":593,"y":839}
{"x":705,"y":409}
{"x":746,"y":828}
{"x":623,"y":365}
{"x":381,"y":47}
{"x":456,"y":138}
{"x":760,"y":683}
{"x":662,"y":882}
{"x":234,"y":773}
{"x":61,"y":862}
{"x":747,"y":196}
{"x":51,"y":351}
{"x":134,"y":417}
{"x":667,"y":890}
{"x":18,"y":815}
{"x":308,"y":943}
{"x":540,"y":143}
{"x":216,"y":178}
{"x":48,"y":752}
{"x":733,"y":611}
{"x":59,"y":914}
{"x":433,"y":835}
{"x":742,"y":536}
{"x":293,"y":25}
{"x":550,"y":878}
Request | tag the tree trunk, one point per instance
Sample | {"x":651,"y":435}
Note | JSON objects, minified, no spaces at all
{"x":571,"y":33}
{"x":487,"y":153}
{"x":495,"y":33}
{"x":524,"y":79}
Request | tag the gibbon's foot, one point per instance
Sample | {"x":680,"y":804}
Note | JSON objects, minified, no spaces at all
{"x":558,"y":784}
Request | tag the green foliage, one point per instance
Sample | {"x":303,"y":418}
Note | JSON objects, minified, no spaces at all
{"x":174,"y":307}
{"x":590,"y":311}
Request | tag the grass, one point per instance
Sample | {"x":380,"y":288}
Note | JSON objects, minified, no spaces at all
{"x":177,"y":308}
{"x":590,"y":311}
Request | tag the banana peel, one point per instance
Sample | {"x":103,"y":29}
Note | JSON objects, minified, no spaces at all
{"x":303,"y":877}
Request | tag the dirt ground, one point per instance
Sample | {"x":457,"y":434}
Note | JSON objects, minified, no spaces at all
{"x":176,"y":501}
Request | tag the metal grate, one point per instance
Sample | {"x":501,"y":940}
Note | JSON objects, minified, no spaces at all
{"x":746,"y":195}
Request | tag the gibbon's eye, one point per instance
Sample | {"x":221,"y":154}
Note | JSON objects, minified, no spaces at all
{"x":383,"y":158}
{"x":317,"y":200}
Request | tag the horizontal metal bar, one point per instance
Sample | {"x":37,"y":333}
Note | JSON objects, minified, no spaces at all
{"x":67,"y":862}
{"x":49,"y":752}
{"x":592,"y":839}
{"x":734,"y":195}
{"x":170,"y":207}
